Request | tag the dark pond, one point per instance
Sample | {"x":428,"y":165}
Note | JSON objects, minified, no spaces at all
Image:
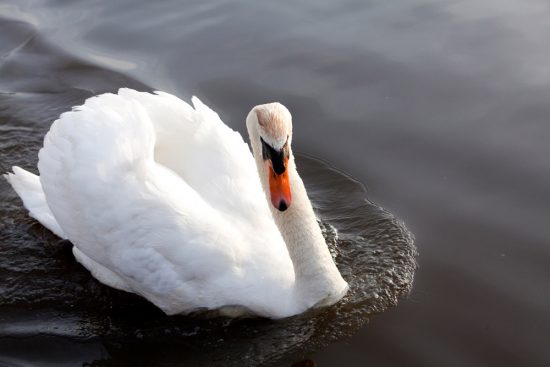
{"x":440,"y":107}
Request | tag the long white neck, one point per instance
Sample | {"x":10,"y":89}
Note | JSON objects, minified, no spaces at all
{"x":318,"y":281}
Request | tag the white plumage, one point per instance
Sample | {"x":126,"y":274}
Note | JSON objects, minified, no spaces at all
{"x":164,"y":200}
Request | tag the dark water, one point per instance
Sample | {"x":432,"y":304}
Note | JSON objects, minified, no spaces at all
{"x":441,"y":107}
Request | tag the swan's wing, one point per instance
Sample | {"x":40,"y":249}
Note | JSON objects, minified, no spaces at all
{"x":157,"y":227}
{"x":211,"y":157}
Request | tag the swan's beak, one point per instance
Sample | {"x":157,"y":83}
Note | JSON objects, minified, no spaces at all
{"x":279,"y":187}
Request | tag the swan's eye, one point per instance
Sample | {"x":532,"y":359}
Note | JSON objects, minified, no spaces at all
{"x":285,"y":148}
{"x":277,"y":158}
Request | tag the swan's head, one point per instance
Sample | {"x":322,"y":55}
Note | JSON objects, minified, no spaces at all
{"x":270,"y":129}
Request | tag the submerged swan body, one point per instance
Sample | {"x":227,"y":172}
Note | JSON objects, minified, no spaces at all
{"x":164,"y":200}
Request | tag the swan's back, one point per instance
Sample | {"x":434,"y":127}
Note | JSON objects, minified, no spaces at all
{"x":163,"y":199}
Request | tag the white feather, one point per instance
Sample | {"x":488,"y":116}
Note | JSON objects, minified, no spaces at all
{"x":27,"y":186}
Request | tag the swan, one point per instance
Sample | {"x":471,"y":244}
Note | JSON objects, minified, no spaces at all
{"x":162,"y":199}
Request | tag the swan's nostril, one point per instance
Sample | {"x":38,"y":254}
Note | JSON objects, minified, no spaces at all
{"x":283,"y":206}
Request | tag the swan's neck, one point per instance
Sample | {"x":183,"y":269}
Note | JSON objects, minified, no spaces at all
{"x":318,"y":281}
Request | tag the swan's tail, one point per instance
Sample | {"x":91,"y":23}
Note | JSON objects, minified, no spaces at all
{"x":29,"y":189}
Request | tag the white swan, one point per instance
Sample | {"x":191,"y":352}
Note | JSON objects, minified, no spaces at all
{"x":166,"y":201}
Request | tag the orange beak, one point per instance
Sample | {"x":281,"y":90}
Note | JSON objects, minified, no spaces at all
{"x":279,"y":187}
